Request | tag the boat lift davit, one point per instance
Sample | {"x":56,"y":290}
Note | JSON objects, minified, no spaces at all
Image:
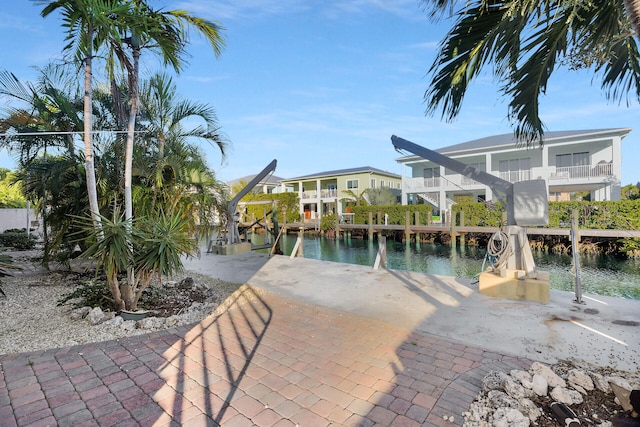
{"x":526,"y":204}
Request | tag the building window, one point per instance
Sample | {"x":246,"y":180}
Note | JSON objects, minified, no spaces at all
{"x":373,"y":183}
{"x":382,"y":183}
{"x":575,"y":159}
{"x":398,"y":185}
{"x":515,"y":170}
{"x":431,"y":173}
{"x":352,"y":184}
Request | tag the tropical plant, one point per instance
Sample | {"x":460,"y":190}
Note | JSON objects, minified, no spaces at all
{"x":6,"y":264}
{"x":11,"y":194}
{"x":526,"y":42}
{"x":355,"y":198}
{"x":165,"y":33}
{"x":90,"y":25}
{"x":153,"y":247}
{"x":630,"y":192}
{"x":382,"y":196}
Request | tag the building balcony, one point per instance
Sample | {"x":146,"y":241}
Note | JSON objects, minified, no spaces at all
{"x":324,"y":194}
{"x":599,"y":171}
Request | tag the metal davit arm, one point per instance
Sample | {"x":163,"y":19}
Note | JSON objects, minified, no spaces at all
{"x":232,"y":206}
{"x":504,"y":189}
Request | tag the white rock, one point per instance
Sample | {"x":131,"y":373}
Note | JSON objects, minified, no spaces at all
{"x":509,"y":417}
{"x":500,"y":399}
{"x":566,"y":396}
{"x":620,"y":382}
{"x":578,"y":389}
{"x":494,"y":381}
{"x":580,"y":378}
{"x":172,"y":321}
{"x":529,"y":408}
{"x":514,"y":389}
{"x":128,"y":325}
{"x":150,"y":323}
{"x":539,"y":385}
{"x":115,"y":322}
{"x":553,"y":379}
{"x":600,"y":382}
{"x":606,"y":424}
{"x":80,"y":313}
{"x":95,"y":316}
{"x":523,"y":376}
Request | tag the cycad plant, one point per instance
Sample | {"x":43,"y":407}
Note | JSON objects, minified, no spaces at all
{"x":153,"y":246}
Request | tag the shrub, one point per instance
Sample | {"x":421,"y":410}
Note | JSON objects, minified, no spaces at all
{"x":328,"y":222}
{"x":17,"y":239}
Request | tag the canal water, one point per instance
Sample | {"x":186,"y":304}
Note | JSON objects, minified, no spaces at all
{"x":600,"y":275}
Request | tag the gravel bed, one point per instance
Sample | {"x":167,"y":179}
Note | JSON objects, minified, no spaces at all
{"x":31,"y":320}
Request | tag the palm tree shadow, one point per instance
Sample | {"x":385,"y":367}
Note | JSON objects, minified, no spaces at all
{"x":208,"y":365}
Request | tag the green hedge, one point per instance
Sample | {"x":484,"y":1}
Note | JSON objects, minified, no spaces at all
{"x":479,"y":214}
{"x":397,"y":214}
{"x":17,"y":239}
{"x":287,"y":206}
{"x":619,"y":215}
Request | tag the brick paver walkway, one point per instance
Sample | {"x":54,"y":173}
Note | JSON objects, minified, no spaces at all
{"x":263,"y":360}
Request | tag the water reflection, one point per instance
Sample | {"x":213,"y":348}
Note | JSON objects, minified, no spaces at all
{"x":601,"y":275}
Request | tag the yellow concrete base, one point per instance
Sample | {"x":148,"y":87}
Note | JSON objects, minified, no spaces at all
{"x":236,"y":248}
{"x":511,"y":287}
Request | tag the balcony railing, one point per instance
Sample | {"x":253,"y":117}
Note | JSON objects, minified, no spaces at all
{"x":583,"y":171}
{"x":516,"y":176}
{"x":323,"y":194}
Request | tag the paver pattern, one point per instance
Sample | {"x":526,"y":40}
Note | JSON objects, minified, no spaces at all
{"x":261,"y":360}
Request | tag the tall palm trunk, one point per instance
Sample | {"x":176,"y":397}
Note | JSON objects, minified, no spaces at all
{"x":128,"y":158}
{"x":90,"y":171}
{"x":131,"y":127}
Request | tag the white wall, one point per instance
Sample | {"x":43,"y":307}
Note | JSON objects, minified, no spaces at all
{"x":17,"y":218}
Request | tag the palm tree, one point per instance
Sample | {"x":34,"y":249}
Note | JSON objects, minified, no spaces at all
{"x":526,"y":41}
{"x":89,"y":24}
{"x":165,"y":33}
{"x":381,"y":196}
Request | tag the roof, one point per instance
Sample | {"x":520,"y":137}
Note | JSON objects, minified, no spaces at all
{"x":510,"y":139}
{"x":350,"y":171}
{"x":270,"y":179}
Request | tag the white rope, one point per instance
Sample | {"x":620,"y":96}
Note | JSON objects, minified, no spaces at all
{"x":499,"y":249}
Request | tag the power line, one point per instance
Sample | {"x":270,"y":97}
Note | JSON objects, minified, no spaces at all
{"x":65,"y":132}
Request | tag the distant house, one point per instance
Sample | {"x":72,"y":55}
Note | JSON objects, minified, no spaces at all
{"x":331,"y":191}
{"x":266,"y":186}
{"x":569,"y":161}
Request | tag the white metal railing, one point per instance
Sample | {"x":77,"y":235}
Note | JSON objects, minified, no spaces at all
{"x":328,"y":193}
{"x":516,"y":176}
{"x":431,"y":182}
{"x":583,"y":171}
{"x":309,"y":194}
{"x":347,"y":218}
{"x":468,"y":181}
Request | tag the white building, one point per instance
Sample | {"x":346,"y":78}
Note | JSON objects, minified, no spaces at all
{"x":569,"y":161}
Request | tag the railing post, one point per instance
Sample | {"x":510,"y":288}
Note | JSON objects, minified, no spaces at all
{"x":452,"y":218}
{"x":462,"y":236}
{"x":381,"y":257}
{"x":407,"y":226}
{"x":370,"y":225}
{"x":575,"y":238}
{"x":336,"y":211}
{"x":298,"y":248}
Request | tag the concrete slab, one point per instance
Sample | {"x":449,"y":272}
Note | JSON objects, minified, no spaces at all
{"x":605,"y":331}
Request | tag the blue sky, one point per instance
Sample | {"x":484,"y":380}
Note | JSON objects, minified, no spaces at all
{"x":322,"y":85}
